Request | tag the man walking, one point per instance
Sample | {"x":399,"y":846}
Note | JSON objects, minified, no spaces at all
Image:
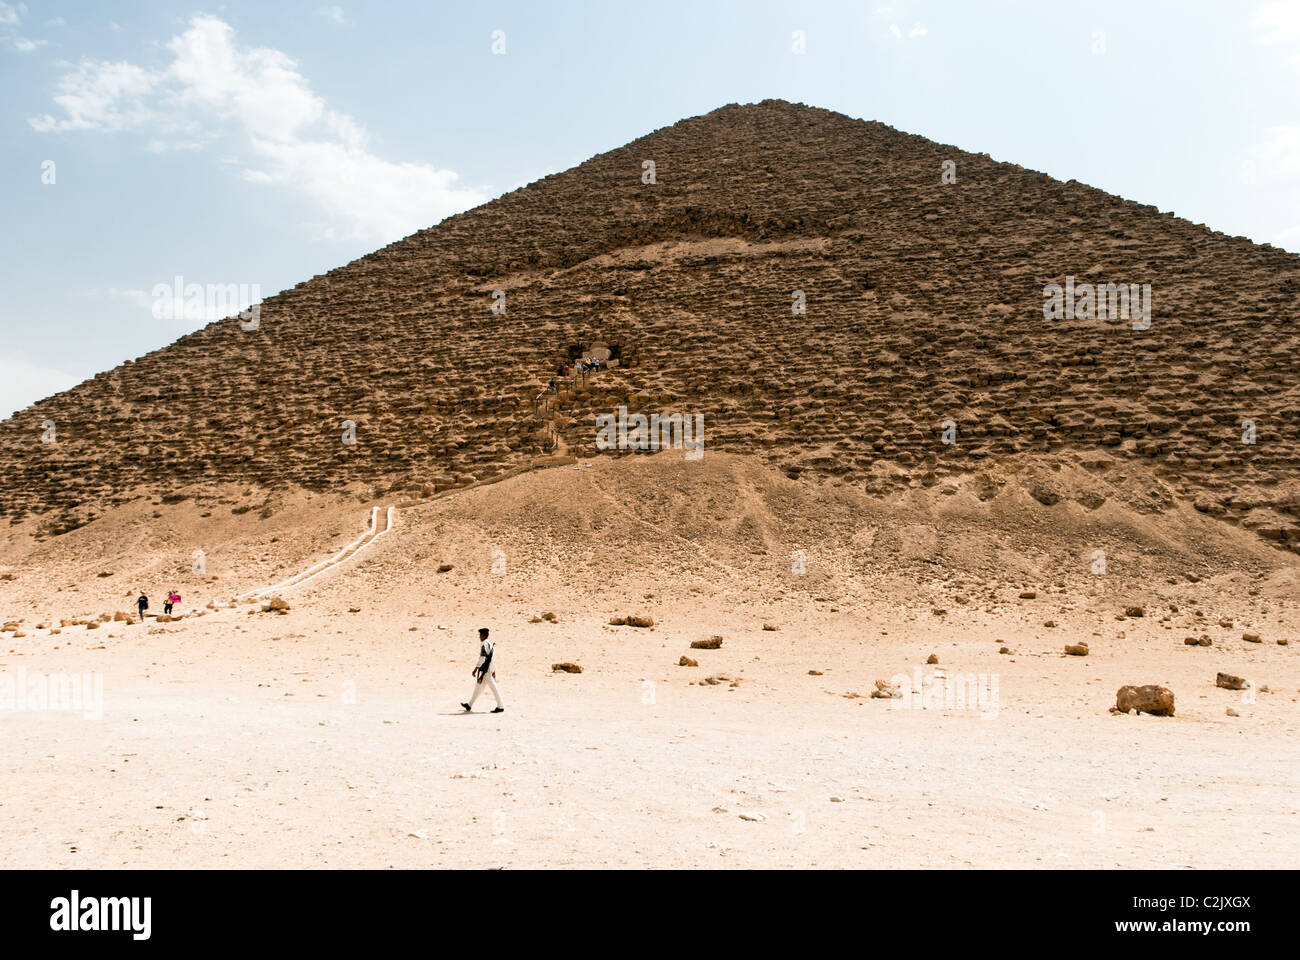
{"x":142,"y":603}
{"x":485,"y":670}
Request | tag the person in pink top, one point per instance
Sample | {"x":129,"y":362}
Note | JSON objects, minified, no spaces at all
{"x":172,"y":597}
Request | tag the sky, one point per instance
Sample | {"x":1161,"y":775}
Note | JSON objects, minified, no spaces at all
{"x":260,"y":144}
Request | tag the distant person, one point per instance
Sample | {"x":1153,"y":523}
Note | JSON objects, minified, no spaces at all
{"x":553,"y":388}
{"x":172,"y":598}
{"x":142,"y":604}
{"x":486,"y":671}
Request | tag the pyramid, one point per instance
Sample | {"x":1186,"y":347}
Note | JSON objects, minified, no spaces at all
{"x":848,"y":302}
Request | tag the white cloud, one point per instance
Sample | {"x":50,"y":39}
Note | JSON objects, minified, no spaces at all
{"x":100,"y":96}
{"x":1281,"y":20}
{"x":10,"y":16}
{"x":334,"y":13}
{"x":257,"y":96}
{"x":896,"y":31}
{"x":917,"y":31}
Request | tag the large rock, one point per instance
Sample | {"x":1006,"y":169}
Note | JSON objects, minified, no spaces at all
{"x":1150,"y":698}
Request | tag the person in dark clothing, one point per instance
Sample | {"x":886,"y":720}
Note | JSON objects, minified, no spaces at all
{"x":142,"y":604}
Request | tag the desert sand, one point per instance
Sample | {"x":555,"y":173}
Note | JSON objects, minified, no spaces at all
{"x":329,"y":735}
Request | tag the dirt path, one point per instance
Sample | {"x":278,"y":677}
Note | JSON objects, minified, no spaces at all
{"x":350,"y":552}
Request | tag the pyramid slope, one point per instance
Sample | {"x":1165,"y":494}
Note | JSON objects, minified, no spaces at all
{"x":924,"y":304}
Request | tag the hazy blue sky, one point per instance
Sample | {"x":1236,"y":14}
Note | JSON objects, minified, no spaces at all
{"x":262,"y":143}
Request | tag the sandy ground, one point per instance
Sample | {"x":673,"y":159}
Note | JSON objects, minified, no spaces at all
{"x":328,"y":738}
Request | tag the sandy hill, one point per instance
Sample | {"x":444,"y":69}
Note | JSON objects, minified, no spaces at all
{"x":924,"y":304}
{"x":661,"y":535}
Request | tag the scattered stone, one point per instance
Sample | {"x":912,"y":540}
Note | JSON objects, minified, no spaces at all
{"x":1231,"y":712}
{"x":885,"y":691}
{"x":1151,"y":698}
{"x":1202,"y":641}
{"x":1135,"y":611}
{"x":549,"y":617}
{"x":1049,"y":624}
{"x":686,"y":661}
{"x":1251,"y":638}
{"x":1028,"y":594}
{"x":1228,"y":682}
{"x":713,"y":643}
{"x":768,"y":626}
{"x":815,"y":673}
{"x":1076,"y":649}
{"x":277,"y":604}
{"x":752,"y":816}
{"x":1004,"y":650}
{"x":932,"y":658}
{"x":444,"y":568}
{"x":632,"y":622}
{"x":565,"y":668}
